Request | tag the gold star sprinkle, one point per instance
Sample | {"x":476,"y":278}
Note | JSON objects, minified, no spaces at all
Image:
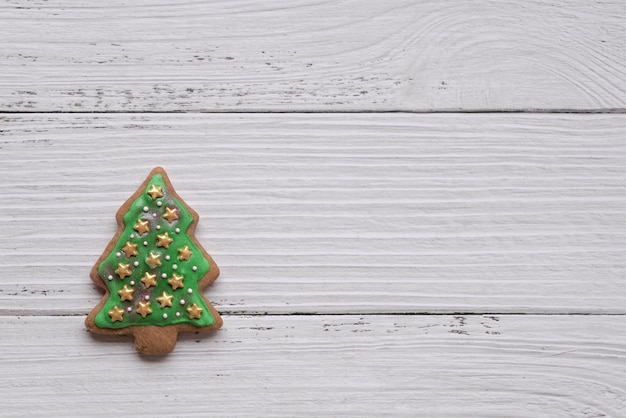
{"x":176,"y":281}
{"x":164,"y":240}
{"x":149,"y":280}
{"x":194,"y":311}
{"x":144,"y":309}
{"x":165,"y":300}
{"x":142,"y":226}
{"x":170,"y":214}
{"x":154,"y":260}
{"x":184,"y":253}
{"x":126,"y":293}
{"x":123,"y":270}
{"x":116,"y":314}
{"x":130,"y":249}
{"x":155,"y":191}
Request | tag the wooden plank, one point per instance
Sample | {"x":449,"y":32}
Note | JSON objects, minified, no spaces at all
{"x":285,"y":55}
{"x":330,"y":213}
{"x":540,"y":366}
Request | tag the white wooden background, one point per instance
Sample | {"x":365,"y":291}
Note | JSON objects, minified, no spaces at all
{"x":418,"y":207}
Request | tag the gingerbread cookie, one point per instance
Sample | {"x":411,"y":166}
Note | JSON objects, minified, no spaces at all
{"x":153,"y":271}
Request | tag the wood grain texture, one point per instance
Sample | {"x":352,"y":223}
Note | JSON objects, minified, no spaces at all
{"x":344,"y":239}
{"x":439,"y":366}
{"x":285,"y":55}
{"x":338,"y":213}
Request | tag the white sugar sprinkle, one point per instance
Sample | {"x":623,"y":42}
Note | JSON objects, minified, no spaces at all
{"x":182,"y":301}
{"x":164,"y":316}
{"x":145,"y":208}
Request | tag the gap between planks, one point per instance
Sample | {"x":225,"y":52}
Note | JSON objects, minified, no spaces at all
{"x":538,"y":111}
{"x":319,"y":314}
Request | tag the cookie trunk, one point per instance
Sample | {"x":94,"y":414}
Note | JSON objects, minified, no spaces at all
{"x":154,"y":339}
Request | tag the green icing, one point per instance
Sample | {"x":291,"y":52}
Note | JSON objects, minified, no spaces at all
{"x":189,"y":293}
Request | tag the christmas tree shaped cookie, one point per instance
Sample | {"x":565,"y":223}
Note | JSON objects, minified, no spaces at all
{"x":153,"y":271}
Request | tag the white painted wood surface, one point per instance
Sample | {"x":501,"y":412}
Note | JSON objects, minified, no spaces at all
{"x":373,"y":264}
{"x":508,"y":366}
{"x":286,"y":55}
{"x":332,"y":213}
{"x":321,"y":214}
